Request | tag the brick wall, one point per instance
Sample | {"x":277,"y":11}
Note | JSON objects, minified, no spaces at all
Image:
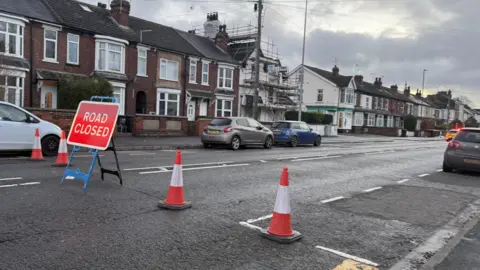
{"x":62,"y":118}
{"x":157,"y":126}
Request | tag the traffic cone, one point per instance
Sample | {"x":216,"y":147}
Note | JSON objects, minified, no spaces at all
{"x":37,"y":147}
{"x":280,"y":228}
{"x":175,"y":199}
{"x":62,"y":156}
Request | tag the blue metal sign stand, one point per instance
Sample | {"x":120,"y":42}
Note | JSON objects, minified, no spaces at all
{"x":77,"y":174}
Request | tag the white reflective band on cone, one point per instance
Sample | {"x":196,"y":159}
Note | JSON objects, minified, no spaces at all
{"x":282,"y":203}
{"x":177,"y":176}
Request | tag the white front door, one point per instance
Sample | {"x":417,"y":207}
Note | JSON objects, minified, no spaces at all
{"x":191,"y":110}
{"x":203,"y":108}
{"x":49,"y":97}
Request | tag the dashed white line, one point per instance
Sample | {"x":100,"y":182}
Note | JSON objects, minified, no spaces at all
{"x":423,"y":175}
{"x":12,"y":185}
{"x":11,"y":178}
{"x":199,"y":168}
{"x":315,"y":158}
{"x":263,"y":161}
{"x":345,"y":255}
{"x":183,"y":165}
{"x":143,"y":154}
{"x":403,"y":181}
{"x":259,"y":219}
{"x":371,"y":189}
{"x":29,"y":183}
{"x":440,"y":170}
{"x":250,"y":226}
{"x":333,"y":199}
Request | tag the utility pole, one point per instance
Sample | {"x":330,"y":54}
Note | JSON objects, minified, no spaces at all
{"x":421,"y":93}
{"x":302,"y":75}
{"x":257,"y":57}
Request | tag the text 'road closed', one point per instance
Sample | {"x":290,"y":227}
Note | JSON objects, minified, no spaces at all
{"x":90,"y":125}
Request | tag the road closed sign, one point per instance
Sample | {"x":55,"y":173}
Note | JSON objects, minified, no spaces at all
{"x":93,"y":125}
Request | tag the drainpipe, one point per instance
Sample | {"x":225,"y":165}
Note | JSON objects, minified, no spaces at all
{"x":31,"y":68}
{"x":184,"y":86}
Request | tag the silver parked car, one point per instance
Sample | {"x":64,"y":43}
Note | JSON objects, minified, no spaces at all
{"x":236,"y":132}
{"x":463,"y":151}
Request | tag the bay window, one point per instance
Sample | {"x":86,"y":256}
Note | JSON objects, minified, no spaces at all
{"x":168,"y":102}
{"x":168,"y":70}
{"x":380,"y":122}
{"x":73,"y":48}
{"x":11,"y":89}
{"x":110,"y":55}
{"x":11,"y":38}
{"x":371,"y":120}
{"x":390,"y":121}
{"x":142,"y":61}
{"x":205,"y":68}
{"x":347,"y":95}
{"x":192,"y":72}
{"x":225,"y":77}
{"x":358,"y":119}
{"x":224,"y":108}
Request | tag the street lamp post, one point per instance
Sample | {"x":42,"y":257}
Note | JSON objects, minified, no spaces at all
{"x":300,"y":94}
{"x":421,"y":93}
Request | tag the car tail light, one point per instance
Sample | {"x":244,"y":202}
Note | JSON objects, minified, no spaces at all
{"x":205,"y":129}
{"x":288,"y":132}
{"x":227,"y":129}
{"x":453,"y":144}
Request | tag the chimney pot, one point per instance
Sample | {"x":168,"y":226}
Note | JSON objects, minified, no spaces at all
{"x":120,"y":11}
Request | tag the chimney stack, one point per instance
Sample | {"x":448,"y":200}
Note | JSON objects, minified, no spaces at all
{"x":222,"y":38}
{"x":335,"y":71}
{"x":358,"y":80}
{"x":102,"y":5}
{"x":378,"y":82}
{"x":394,"y":87}
{"x":212,"y":25}
{"x":418,"y":94}
{"x":120,"y":11}
{"x":406,"y":91}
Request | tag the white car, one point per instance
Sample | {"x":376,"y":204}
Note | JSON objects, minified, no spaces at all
{"x":17,"y":130}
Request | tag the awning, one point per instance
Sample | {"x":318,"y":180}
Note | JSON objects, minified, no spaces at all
{"x":111,"y":76}
{"x":201,"y":94}
{"x":49,"y":75}
{"x":14,"y":62}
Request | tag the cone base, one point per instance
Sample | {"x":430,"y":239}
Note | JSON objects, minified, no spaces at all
{"x":281,"y":239}
{"x":164,"y":205}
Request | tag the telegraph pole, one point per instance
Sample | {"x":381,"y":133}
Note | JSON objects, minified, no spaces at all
{"x":257,"y":57}
{"x":302,"y":75}
{"x":421,"y":93}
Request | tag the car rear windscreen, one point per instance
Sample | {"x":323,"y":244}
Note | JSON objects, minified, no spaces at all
{"x":221,"y":122}
{"x":471,"y":136}
{"x":281,"y":125}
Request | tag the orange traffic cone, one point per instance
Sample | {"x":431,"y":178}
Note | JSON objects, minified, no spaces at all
{"x":175,"y":199}
{"x":37,"y":147}
{"x":62,"y":156}
{"x":280,"y":228}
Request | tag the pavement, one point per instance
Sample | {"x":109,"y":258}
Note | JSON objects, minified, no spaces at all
{"x":371,"y":205}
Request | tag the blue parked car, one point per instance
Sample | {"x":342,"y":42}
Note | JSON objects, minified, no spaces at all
{"x":294,"y":133}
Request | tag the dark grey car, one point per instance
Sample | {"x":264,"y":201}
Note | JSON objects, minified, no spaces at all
{"x":236,"y":132}
{"x":463,"y":151}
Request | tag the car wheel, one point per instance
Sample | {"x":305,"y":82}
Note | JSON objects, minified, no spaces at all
{"x":235,"y":143}
{"x":50,"y":145}
{"x":318,"y":141}
{"x":294,"y":141}
{"x":268,"y":142}
{"x":446,"y":168}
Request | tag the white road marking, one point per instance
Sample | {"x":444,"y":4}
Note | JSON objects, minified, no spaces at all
{"x":12,"y":185}
{"x":263,"y":161}
{"x":143,"y":154}
{"x":69,"y":177}
{"x":164,"y":169}
{"x":314,"y":158}
{"x":333,"y":199}
{"x":199,"y":168}
{"x":371,"y":189}
{"x":345,"y":255}
{"x":376,"y":152}
{"x":250,"y":226}
{"x":29,"y":183}
{"x":82,"y":156}
{"x":11,"y":178}
{"x":403,"y":181}
{"x":260,"y":218}
{"x":440,"y":170}
{"x":423,"y":175}
{"x":183,"y":165}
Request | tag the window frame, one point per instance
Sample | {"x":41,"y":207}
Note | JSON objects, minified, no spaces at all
{"x":69,"y":48}
{"x":378,"y":121}
{"x":192,"y":76}
{"x":319,"y":92}
{"x":19,"y":36}
{"x":145,"y":58}
{"x":359,"y":116}
{"x":222,"y":109}
{"x":19,"y":89}
{"x":166,"y":61}
{"x":45,"y":39}
{"x":222,"y":73}
{"x":371,"y":120}
{"x":205,"y":82}
{"x":167,"y":93}
{"x":105,"y":61}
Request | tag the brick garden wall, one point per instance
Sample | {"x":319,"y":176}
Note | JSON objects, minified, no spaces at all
{"x":62,"y":118}
{"x":158,"y":126}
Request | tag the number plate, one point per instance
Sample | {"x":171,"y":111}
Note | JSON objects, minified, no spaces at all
{"x":472,"y":161}
{"x":277,"y":132}
{"x":214,"y":132}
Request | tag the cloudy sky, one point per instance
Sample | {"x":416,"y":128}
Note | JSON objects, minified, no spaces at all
{"x":393,"y":39}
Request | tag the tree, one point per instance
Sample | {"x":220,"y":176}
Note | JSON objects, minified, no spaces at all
{"x":465,"y":100}
{"x":72,"y":90}
{"x":410,"y":122}
{"x":471,"y":122}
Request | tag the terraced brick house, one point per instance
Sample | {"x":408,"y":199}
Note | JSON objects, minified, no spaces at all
{"x":146,"y":63}
{"x":328,"y":92}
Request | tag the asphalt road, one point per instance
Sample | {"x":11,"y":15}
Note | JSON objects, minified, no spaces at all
{"x":374,"y":201}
